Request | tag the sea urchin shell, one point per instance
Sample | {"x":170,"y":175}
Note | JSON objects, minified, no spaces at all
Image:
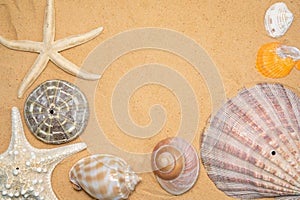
{"x":56,"y":112}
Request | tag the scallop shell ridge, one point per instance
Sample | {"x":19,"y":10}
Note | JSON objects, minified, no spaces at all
{"x":104,"y":176}
{"x":278,"y":19}
{"x":252,"y":146}
{"x":56,"y":112}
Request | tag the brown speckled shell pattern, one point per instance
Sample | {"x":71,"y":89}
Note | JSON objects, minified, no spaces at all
{"x":252,"y":146}
{"x":104,"y":176}
{"x":56,"y":112}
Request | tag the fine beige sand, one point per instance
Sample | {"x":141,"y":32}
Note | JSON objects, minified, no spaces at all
{"x":231,"y":32}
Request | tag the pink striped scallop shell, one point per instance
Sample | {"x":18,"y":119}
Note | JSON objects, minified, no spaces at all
{"x":252,"y":146}
{"x":104,"y":176}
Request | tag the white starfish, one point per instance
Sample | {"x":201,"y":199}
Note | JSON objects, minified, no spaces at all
{"x":48,"y":50}
{"x":25,"y":171}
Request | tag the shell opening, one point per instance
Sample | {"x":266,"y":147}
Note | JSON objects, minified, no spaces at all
{"x":273,"y":153}
{"x":52,"y":112}
{"x":132,"y":180}
{"x":74,"y":182}
{"x":75,"y":185}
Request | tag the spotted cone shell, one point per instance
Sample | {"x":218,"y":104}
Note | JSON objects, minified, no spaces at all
{"x":278,"y":19}
{"x":56,"y":112}
{"x":175,"y":164}
{"x":275,"y":60}
{"x":251,"y":148}
{"x":104,"y":176}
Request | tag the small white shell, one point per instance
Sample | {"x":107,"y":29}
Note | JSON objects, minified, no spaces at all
{"x":104,"y":176}
{"x":278,"y":19}
{"x":175,"y":164}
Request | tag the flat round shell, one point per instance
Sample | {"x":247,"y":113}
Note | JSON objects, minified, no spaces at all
{"x":56,"y":112}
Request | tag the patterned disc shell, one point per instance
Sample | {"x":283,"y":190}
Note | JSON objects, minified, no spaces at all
{"x":56,"y":112}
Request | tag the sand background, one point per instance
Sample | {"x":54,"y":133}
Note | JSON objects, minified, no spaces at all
{"x":230,"y":31}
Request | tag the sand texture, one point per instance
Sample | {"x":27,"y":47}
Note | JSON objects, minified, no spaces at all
{"x":231,"y":32}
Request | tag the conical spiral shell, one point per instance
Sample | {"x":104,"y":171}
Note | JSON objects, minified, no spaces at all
{"x":175,"y":164}
{"x":278,"y":19}
{"x":252,"y":146}
{"x":275,"y":60}
{"x":104,"y":177}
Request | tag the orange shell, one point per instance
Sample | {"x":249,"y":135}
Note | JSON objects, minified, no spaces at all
{"x":270,"y":64}
{"x":298,"y":65}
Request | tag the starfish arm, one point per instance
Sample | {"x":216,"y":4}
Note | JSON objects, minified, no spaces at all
{"x":60,"y":153}
{"x":17,"y":137}
{"x":22,"y":45}
{"x":41,"y":162}
{"x":36,"y":69}
{"x":49,"y":24}
{"x":53,"y":158}
{"x":71,"y":68}
{"x":75,"y":40}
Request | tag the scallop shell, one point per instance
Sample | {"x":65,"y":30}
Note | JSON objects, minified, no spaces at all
{"x":252,"y":146}
{"x":104,"y":176}
{"x":278,"y":19}
{"x":56,"y":112}
{"x":175,"y":164}
{"x":275,"y":60}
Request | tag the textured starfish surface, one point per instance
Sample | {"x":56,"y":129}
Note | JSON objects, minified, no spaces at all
{"x":48,"y":50}
{"x":25,"y":171}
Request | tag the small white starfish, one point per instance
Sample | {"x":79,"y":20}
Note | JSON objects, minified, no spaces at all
{"x":48,"y":50}
{"x":25,"y":171}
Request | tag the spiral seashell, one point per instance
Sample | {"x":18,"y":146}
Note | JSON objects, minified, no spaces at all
{"x":278,"y":19}
{"x":252,"y":146}
{"x":104,"y":176}
{"x":275,"y":60}
{"x":175,"y":164}
{"x":56,"y":112}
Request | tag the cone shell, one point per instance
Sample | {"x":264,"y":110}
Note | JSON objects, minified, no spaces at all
{"x":175,"y":164}
{"x":252,"y":146}
{"x":271,"y":62}
{"x":104,"y":177}
{"x":278,"y":19}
